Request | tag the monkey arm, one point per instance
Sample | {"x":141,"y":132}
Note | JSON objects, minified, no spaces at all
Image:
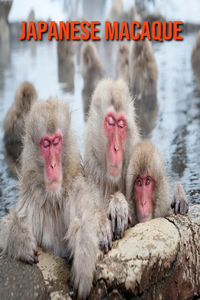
{"x":17,"y":240}
{"x":104,"y":231}
{"x":82,"y":238}
{"x":179,"y":203}
{"x":118,"y":212}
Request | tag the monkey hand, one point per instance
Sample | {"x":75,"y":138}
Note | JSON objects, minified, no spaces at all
{"x":104,"y":231}
{"x":118,"y":213}
{"x":21,"y":243}
{"x":179,"y":203}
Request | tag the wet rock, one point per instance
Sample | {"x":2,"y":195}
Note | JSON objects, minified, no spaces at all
{"x":159,"y":259}
{"x":56,"y":273}
{"x":194,"y":213}
{"x":20,"y":281}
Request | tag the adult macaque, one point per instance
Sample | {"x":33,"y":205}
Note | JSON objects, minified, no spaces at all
{"x":55,"y":209}
{"x":66,"y":69}
{"x":111,"y":134}
{"x":147,"y":189}
{"x":14,"y":120}
{"x":91,"y":70}
{"x":143,"y":69}
{"x":122,"y":61}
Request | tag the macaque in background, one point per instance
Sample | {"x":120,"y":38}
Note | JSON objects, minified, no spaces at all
{"x":66,"y":69}
{"x":143,"y":69}
{"x":55,"y":209}
{"x":111,"y":134}
{"x":116,"y":11}
{"x":147,"y":190}
{"x":25,"y":96}
{"x":122,"y":61}
{"x":131,"y":16}
{"x":147,"y":112}
{"x":195,"y":58}
{"x":92,"y":72}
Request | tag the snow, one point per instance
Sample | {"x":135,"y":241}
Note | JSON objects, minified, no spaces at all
{"x":179,"y":10}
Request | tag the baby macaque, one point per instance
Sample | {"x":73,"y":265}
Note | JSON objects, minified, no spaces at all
{"x":122,"y":61}
{"x":92,"y":72}
{"x":111,"y":134}
{"x":147,"y":189}
{"x":143,"y":69}
{"x":14,"y":120}
{"x":55,"y":209}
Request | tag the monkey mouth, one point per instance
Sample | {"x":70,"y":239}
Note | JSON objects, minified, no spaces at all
{"x":114,"y":169}
{"x":145,"y":218}
{"x":53,"y":185}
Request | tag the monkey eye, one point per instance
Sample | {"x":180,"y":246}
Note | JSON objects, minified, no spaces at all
{"x":139,"y":183}
{"x":121,"y":123}
{"x":148,"y":181}
{"x":56,"y":141}
{"x":46,"y":143}
{"x":111,"y":121}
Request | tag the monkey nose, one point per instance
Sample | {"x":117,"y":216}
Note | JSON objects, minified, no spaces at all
{"x":53,"y":165}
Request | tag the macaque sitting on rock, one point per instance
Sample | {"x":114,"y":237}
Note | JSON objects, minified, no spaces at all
{"x":55,"y":209}
{"x":147,"y":189}
{"x":111,"y":134}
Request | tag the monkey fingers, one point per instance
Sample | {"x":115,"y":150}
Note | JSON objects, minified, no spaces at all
{"x":104,"y":232}
{"x":118,"y":213}
{"x":179,"y":203}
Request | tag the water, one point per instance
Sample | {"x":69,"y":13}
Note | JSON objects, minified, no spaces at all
{"x":176,"y":117}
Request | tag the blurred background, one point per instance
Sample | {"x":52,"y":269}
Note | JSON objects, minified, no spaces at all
{"x":172,"y":123}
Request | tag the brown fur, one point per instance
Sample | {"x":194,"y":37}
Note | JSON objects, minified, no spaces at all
{"x":195,"y":57}
{"x":146,"y":159}
{"x":143,"y":69}
{"x":58,"y":220}
{"x":116,"y":10}
{"x":108,"y":93}
{"x":14,"y":120}
{"x":122,"y":61}
{"x":91,"y":70}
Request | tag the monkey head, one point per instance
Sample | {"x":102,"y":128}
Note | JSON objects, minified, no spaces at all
{"x":146,"y":183}
{"x":48,"y":139}
{"x":111,"y":130}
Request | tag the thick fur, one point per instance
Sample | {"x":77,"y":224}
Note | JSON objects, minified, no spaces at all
{"x":59,"y":221}
{"x":122,"y":61}
{"x":146,"y":159}
{"x":92,"y":72}
{"x":109,"y":93}
{"x":143,"y":69}
{"x":14,"y":120}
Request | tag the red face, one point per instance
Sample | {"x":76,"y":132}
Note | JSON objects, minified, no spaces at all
{"x":115,"y":131}
{"x":143,"y":186}
{"x":51,"y":146}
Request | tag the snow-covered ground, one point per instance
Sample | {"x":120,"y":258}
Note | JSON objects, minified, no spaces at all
{"x":180,"y":10}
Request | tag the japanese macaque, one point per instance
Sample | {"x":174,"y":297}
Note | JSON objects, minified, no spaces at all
{"x":111,"y":134}
{"x":116,"y":11}
{"x":55,"y":209}
{"x":195,"y":57}
{"x":25,"y":96}
{"x":92,"y":72}
{"x":147,"y":189}
{"x":66,"y":69}
{"x":143,"y":69}
{"x":122,"y":61}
